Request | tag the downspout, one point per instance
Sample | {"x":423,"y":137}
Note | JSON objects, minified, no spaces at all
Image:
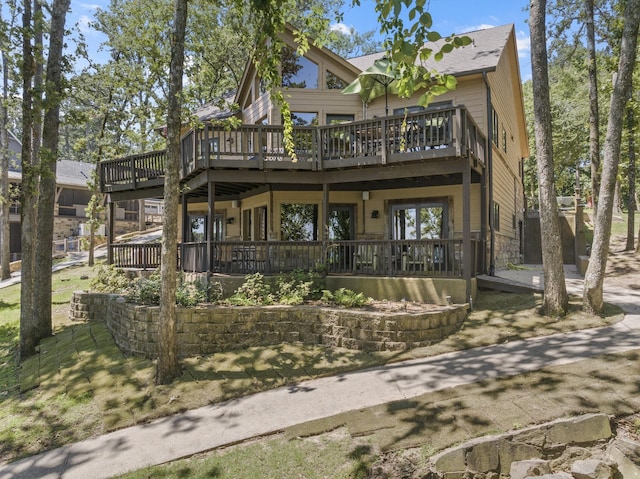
{"x":492,"y":237}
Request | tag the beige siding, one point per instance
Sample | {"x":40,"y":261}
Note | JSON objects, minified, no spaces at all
{"x":365,"y":226}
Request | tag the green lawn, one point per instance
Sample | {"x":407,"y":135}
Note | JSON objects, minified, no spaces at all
{"x":80,"y":385}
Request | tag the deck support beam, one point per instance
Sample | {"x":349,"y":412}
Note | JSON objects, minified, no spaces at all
{"x":211,"y":216}
{"x":110,"y":227}
{"x":466,"y":229}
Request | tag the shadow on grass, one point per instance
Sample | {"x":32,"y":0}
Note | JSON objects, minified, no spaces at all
{"x":80,"y":381}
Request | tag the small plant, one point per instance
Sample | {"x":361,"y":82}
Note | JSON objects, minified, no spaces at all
{"x":109,"y":279}
{"x":345,"y":297}
{"x":145,"y":290}
{"x":192,"y":293}
{"x":253,"y":292}
{"x":294,"y":287}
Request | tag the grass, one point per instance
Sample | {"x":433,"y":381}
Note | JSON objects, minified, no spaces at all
{"x":80,"y":385}
{"x":309,"y":458}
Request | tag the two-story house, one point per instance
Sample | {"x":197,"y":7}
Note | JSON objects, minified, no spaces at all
{"x":423,"y":197}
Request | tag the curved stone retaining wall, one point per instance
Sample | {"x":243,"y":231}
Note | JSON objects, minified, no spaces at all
{"x":205,"y":330}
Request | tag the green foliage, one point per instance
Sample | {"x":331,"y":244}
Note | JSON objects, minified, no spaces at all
{"x":293,"y":288}
{"x":145,"y":290}
{"x":345,"y":297}
{"x":192,"y":293}
{"x":405,"y":45}
{"x":253,"y":292}
{"x":109,"y":279}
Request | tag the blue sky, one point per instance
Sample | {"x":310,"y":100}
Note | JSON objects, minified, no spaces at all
{"x":449,"y":16}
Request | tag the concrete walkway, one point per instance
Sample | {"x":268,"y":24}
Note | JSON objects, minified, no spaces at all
{"x":209,"y":427}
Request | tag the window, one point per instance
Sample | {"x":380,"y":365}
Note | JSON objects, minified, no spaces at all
{"x":334,"y":82}
{"x":341,"y":224}
{"x":496,"y":128}
{"x":297,"y":71}
{"x":299,"y":222}
{"x":419,"y":221}
{"x":304,"y":118}
{"x":407,"y":109}
{"x":197,"y":231}
{"x":496,"y":216}
{"x":504,"y":139}
{"x":337,"y":119}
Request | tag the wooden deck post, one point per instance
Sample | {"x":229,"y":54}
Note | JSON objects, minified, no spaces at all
{"x":211,"y":216}
{"x":325,"y":220}
{"x":466,"y":228}
{"x":110,"y":227}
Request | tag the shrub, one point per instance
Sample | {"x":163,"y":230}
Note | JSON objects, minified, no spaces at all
{"x":192,"y":293}
{"x":253,"y":292}
{"x":294,"y":288}
{"x":145,"y":290}
{"x":109,"y":279}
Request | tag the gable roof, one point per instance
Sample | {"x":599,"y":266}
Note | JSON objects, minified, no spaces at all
{"x":482,"y":55}
{"x":288,"y":38}
{"x":68,"y":173}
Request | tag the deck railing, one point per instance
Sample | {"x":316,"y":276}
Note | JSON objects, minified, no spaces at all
{"x":428,"y":258}
{"x":134,"y":255}
{"x":443,"y":257}
{"x":449,"y":132}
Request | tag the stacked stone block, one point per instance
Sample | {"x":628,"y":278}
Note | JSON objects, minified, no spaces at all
{"x":206,"y":330}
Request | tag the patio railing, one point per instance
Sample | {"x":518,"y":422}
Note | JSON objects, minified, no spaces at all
{"x":442,"y":257}
{"x":426,"y":134}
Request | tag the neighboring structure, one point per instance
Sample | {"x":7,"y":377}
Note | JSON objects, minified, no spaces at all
{"x":433,"y":192}
{"x":72,"y":197}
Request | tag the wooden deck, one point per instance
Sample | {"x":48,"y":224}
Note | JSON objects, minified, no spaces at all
{"x":419,"y":258}
{"x":426,"y":135}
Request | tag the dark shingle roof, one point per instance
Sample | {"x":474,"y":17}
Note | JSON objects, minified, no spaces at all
{"x":483,"y":53}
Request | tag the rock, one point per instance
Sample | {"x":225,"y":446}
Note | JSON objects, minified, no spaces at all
{"x":591,"y":469}
{"x":483,"y":457}
{"x":626,"y":467}
{"x":528,"y":468}
{"x":584,"y":429}
{"x":631,"y":449}
{"x":450,"y":461}
{"x":510,"y":452}
{"x":557,"y":475}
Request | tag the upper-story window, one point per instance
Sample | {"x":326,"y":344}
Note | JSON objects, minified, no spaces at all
{"x":301,"y":118}
{"x":297,"y":71}
{"x":334,"y":82}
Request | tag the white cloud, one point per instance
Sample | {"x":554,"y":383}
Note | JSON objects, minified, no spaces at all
{"x":84,"y":24}
{"x":341,"y":28}
{"x":91,"y":6}
{"x":524,"y":44}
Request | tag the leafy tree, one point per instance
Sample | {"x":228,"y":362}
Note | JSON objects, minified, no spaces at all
{"x":555,"y":301}
{"x":352,"y":43}
{"x":594,"y":277}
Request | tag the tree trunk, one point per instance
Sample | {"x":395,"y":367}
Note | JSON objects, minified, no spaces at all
{"x":48,"y":166}
{"x":5,"y":201}
{"x":28,"y":198}
{"x":617,"y":199}
{"x":142,"y":223}
{"x":592,"y":299}
{"x":555,"y":293}
{"x":168,"y":367}
{"x":631,"y":175}
{"x":594,"y":115}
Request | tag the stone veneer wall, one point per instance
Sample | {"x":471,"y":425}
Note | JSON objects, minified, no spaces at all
{"x":507,"y":250}
{"x":205,"y":330}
